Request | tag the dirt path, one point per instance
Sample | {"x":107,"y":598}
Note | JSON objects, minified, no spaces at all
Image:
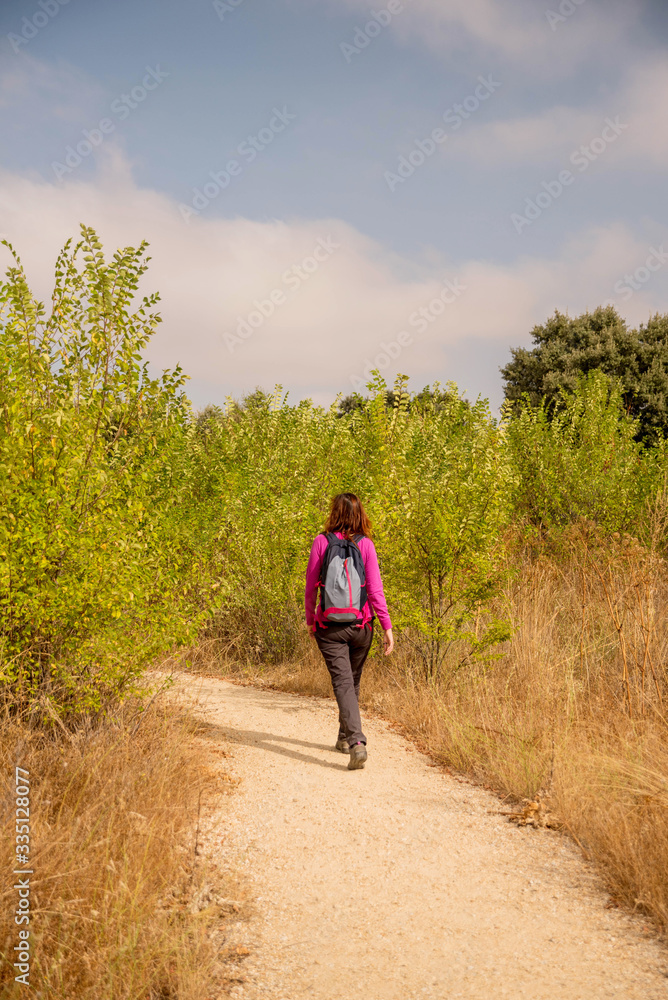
{"x":397,"y":882}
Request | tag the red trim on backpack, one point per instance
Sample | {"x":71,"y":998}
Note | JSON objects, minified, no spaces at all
{"x":350,"y":586}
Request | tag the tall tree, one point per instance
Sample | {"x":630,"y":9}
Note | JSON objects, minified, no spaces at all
{"x":566,"y":348}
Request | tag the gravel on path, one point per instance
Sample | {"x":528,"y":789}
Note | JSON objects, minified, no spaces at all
{"x":400,"y":882}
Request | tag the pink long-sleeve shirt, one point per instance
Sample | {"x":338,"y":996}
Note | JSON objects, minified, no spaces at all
{"x":376,"y":603}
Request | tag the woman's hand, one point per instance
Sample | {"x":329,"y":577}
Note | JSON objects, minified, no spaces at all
{"x":388,"y":641}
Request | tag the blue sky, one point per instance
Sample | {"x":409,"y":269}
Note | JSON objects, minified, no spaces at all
{"x":247,"y":296}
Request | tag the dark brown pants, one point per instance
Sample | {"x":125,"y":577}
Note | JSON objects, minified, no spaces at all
{"x":345,"y":648}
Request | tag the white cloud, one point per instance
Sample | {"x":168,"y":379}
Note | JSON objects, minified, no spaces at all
{"x":532,"y":139}
{"x":514,"y":30}
{"x":212,"y":271}
{"x":44,"y":90}
{"x":639,"y":102}
{"x":644,"y":95}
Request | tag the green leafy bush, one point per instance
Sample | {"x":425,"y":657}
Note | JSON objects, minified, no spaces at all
{"x":130,"y":527}
{"x":582,"y":460}
{"x":87,"y":446}
{"x":439,"y":494}
{"x":434,"y":477}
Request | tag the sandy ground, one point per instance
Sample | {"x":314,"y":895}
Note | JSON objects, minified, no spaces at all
{"x":399,"y":882}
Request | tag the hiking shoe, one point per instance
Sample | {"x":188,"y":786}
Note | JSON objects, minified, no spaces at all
{"x":358,"y":757}
{"x":342,"y":744}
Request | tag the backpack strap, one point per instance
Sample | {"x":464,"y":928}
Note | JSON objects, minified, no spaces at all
{"x":355,"y":539}
{"x":331,"y":537}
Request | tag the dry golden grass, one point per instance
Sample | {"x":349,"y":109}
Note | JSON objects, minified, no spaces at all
{"x":574,"y":707}
{"x":114,"y":816}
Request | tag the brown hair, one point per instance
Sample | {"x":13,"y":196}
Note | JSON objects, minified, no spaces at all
{"x":348,"y":516}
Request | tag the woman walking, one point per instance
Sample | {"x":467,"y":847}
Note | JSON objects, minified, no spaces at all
{"x":343,"y":566}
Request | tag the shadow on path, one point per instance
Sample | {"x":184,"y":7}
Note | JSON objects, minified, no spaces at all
{"x":272,"y":743}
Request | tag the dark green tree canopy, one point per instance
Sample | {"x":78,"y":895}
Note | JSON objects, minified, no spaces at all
{"x":436,"y":398}
{"x":566,"y":348}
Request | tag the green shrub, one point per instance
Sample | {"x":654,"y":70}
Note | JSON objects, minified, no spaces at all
{"x":582,"y":460}
{"x":87,"y":448}
{"x":439,"y":494}
{"x":130,"y":527}
{"x":433,"y":476}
